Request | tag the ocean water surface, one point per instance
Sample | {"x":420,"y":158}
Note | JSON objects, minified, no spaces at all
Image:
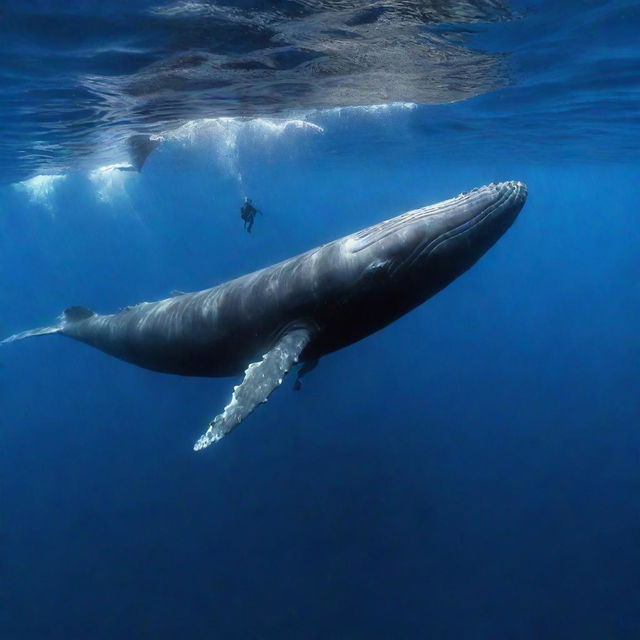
{"x":471,"y":471}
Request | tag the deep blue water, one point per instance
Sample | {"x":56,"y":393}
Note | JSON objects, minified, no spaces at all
{"x":472,"y":471}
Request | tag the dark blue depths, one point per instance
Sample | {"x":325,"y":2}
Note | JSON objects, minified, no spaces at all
{"x":470,"y":472}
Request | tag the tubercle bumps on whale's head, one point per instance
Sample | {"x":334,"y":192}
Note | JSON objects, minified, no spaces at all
{"x":468,"y":233}
{"x":435,"y":244}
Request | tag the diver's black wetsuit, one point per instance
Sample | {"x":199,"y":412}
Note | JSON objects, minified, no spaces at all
{"x":248,"y":214}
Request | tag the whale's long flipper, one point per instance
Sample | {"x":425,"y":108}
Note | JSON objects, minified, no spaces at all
{"x":260,"y":380}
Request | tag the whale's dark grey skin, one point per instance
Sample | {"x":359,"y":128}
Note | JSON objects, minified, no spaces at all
{"x":305,"y":307}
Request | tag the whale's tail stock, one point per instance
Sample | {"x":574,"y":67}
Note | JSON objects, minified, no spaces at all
{"x":72,"y":314}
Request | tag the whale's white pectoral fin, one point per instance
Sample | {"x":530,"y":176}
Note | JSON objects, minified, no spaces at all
{"x":260,"y":380}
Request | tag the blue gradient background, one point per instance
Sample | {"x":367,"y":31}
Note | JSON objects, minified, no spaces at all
{"x":470,"y":472}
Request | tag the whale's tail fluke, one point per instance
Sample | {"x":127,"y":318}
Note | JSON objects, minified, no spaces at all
{"x":32,"y":333}
{"x":69,"y":316}
{"x":140,"y":148}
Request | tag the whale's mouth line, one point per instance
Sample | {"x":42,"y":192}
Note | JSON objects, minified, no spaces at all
{"x":367,"y":237}
{"x":423,"y":250}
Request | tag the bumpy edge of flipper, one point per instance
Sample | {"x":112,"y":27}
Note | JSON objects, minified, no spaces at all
{"x":260,"y":380}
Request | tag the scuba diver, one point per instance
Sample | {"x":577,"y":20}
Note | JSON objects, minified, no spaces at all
{"x":248,"y":214}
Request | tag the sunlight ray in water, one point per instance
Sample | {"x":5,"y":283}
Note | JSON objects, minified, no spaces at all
{"x":110,"y":183}
{"x":40,"y":189}
{"x":221,"y":136}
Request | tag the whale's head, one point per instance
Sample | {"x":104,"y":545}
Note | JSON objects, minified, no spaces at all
{"x":453,"y":235}
{"x":422,"y":251}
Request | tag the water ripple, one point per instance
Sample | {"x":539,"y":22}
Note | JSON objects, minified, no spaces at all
{"x":77,"y":85}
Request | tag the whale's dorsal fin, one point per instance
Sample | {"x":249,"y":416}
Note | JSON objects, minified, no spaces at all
{"x":176,"y":292}
{"x":74,"y":314}
{"x":260,"y":380}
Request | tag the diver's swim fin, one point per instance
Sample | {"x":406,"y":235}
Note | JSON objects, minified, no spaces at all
{"x":306,"y":368}
{"x":260,"y":380}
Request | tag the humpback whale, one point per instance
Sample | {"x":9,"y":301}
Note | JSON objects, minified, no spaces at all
{"x":301,"y":309}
